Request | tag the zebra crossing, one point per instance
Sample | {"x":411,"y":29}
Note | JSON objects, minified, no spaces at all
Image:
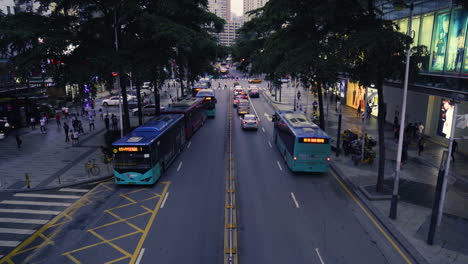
{"x":22,"y":214}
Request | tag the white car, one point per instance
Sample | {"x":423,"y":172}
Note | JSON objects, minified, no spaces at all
{"x":114,"y":100}
{"x":147,"y":110}
{"x":249,"y":122}
{"x":144,"y":91}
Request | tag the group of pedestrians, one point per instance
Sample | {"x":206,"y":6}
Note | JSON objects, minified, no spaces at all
{"x":113,"y":119}
{"x":43,"y":122}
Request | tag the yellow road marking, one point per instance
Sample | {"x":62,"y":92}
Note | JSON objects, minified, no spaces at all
{"x":125,"y":220}
{"x":53,"y":223}
{"x":117,"y":260}
{"x":110,"y":243}
{"x":100,"y":243}
{"x":73,"y":259}
{"x":393,"y":243}
{"x":148,"y":226}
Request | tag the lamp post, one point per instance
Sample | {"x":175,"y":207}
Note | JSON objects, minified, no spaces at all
{"x":116,"y":43}
{"x":394,"y":202}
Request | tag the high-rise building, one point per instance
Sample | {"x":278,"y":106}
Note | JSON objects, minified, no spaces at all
{"x":7,"y":7}
{"x":250,"y":5}
{"x":229,"y":34}
{"x":221,"y":8}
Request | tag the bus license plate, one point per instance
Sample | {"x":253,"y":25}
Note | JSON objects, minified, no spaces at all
{"x":131,"y":182}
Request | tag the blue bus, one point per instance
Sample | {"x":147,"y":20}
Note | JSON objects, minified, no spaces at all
{"x":143,"y":155}
{"x":199,"y":86}
{"x":303,"y":145}
{"x":209,"y":101}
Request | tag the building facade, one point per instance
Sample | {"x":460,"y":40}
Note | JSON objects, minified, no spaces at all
{"x":7,"y":7}
{"x":250,"y":5}
{"x":221,"y":8}
{"x":228,"y":36}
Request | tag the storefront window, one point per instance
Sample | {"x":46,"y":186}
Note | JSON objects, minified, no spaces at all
{"x":373,"y":101}
{"x":425,"y":36}
{"x":439,"y":41}
{"x":403,"y":26}
{"x":456,"y":41}
{"x":415,"y":28}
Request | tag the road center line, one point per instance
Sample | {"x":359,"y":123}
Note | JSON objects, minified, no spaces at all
{"x":269,"y":143}
{"x":263,"y":129}
{"x":140,"y":256}
{"x":189,"y":143}
{"x":294,"y":199}
{"x":180,"y":165}
{"x":320,"y":257}
{"x":279,"y":165}
{"x":165,"y":199}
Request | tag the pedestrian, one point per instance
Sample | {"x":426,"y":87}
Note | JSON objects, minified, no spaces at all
{"x":421,"y":129}
{"x":369,"y":111}
{"x":395,"y":122}
{"x":32,"y":122}
{"x":43,"y":125}
{"x":18,"y":140}
{"x":65,"y":129}
{"x":421,"y":145}
{"x":358,"y":113}
{"x":44,"y":116}
{"x":315,"y":106}
{"x":82,"y":110}
{"x":114,"y":122}
{"x":75,"y":138}
{"x":101,"y":114}
{"x":454,"y":148}
{"x":404,"y":153}
{"x":57,"y":119}
{"x":338,"y":105}
{"x":91,"y":123}
{"x":80,"y":127}
{"x":298,"y":95}
{"x":106,"y":121}
{"x":225,"y":86}
{"x":219,"y":85}
{"x":396,"y":133}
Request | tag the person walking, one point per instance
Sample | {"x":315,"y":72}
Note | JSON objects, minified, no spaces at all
{"x":454,"y":148}
{"x":395,"y":122}
{"x":106,"y":122}
{"x":76,"y":136}
{"x":43,"y":125}
{"x":57,"y":119}
{"x":18,"y":140}
{"x":358,"y":113}
{"x":91,"y":123}
{"x":298,"y":95}
{"x":66,"y":129}
{"x":421,"y":144}
{"x":369,"y":111}
{"x":314,"y":106}
{"x":32,"y":122}
{"x":114,"y":122}
{"x":421,"y":129}
{"x":80,"y":127}
{"x":404,"y":153}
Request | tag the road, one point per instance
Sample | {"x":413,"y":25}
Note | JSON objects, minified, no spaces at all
{"x":282,"y":217}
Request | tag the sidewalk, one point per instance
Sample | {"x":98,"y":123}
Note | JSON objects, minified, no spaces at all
{"x":418,"y":180}
{"x":47,"y":158}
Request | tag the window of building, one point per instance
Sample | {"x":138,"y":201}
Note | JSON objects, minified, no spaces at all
{"x":8,"y":10}
{"x":439,"y":41}
{"x":415,"y":30}
{"x":456,"y":41}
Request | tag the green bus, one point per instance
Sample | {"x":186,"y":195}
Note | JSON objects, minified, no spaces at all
{"x":304,"y":146}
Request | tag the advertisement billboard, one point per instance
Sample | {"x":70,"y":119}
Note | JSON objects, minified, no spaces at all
{"x":355,"y":95}
{"x":439,"y":41}
{"x":456,"y":40}
{"x":445,"y":118}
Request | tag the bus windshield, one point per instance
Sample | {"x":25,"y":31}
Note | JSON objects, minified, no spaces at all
{"x":127,"y":161}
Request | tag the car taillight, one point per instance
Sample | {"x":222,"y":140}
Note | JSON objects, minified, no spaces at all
{"x":256,"y":122}
{"x":328,"y":159}
{"x":295,"y":158}
{"x":245,"y":122}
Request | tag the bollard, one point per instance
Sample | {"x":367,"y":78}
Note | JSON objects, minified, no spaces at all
{"x":28,"y":184}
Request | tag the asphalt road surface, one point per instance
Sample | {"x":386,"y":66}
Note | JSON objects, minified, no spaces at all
{"x":282,"y":217}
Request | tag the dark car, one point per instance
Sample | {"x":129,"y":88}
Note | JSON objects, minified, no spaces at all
{"x":253,"y":92}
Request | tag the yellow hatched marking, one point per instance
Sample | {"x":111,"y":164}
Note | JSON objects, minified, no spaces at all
{"x":100,"y":243}
{"x":119,"y":221}
{"x":72,"y":258}
{"x":117,"y":260}
{"x":109,"y":243}
{"x":125,"y":220}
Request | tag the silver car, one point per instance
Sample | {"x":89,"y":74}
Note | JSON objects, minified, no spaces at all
{"x":249,"y":122}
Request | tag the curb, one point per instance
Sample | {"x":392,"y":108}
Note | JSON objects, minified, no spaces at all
{"x":382,"y":219}
{"x":271,"y":99}
{"x":61,"y":186}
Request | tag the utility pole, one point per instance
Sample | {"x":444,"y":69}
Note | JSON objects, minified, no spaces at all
{"x":394,"y":202}
{"x":116,"y":43}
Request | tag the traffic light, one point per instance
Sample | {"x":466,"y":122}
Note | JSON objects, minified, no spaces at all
{"x":243,"y":60}
{"x":115,"y":74}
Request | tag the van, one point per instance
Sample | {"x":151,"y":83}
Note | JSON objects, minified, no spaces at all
{"x":243,"y":107}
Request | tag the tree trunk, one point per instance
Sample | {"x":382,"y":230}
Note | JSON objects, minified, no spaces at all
{"x":381,"y":126}
{"x":320,"y":98}
{"x":126,"y":118}
{"x":140,"y":113}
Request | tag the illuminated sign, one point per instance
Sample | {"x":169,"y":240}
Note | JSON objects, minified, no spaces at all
{"x":207,"y":98}
{"x":129,"y":149}
{"x":313,"y":140}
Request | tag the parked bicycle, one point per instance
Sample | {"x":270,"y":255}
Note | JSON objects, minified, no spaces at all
{"x":92,"y":168}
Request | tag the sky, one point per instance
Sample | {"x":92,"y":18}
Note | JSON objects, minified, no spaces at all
{"x":237,"y":7}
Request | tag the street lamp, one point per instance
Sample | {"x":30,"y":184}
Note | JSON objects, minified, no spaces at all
{"x":394,"y":202}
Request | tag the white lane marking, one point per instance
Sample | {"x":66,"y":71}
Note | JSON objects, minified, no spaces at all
{"x":33,"y":203}
{"x":189,"y":144}
{"x":4,"y":243}
{"x":253,"y":107}
{"x":320,"y":257}
{"x":16,"y":231}
{"x":279,"y":165}
{"x":73,"y":190}
{"x":294,"y":199}
{"x":27,"y":211}
{"x":36,"y":195}
{"x":180,"y":165}
{"x":267,"y":116}
{"x":269,"y":143}
{"x":140,"y":256}
{"x":165,"y":199}
{"x":23,"y":221}
{"x":263,"y":129}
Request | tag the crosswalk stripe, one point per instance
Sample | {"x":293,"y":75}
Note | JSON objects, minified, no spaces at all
{"x":28,"y":211}
{"x":16,"y":231}
{"x":34,"y":203}
{"x":73,"y":190}
{"x":37,"y":195}
{"x":4,"y":243}
{"x":23,"y":221}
